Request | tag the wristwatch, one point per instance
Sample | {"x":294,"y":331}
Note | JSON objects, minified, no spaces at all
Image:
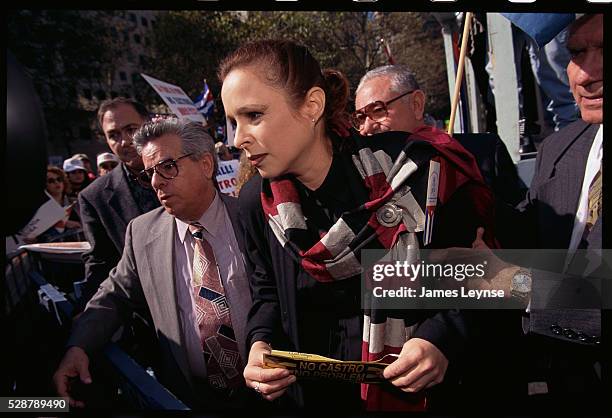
{"x":520,"y":286}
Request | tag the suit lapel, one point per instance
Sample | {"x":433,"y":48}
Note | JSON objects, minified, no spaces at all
{"x":160,"y":254}
{"x":566,"y":175}
{"x":238,"y":291}
{"x":120,"y":199}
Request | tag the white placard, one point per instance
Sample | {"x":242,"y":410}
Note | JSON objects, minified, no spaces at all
{"x":227,"y":175}
{"x":47,"y":215}
{"x":179,"y":103}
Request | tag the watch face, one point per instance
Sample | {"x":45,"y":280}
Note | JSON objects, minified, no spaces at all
{"x":521,"y":282}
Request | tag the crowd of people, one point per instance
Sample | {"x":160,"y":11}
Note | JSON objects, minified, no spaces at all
{"x":222,"y":281}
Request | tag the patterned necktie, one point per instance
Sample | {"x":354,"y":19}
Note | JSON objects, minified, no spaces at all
{"x":219,"y":345}
{"x":595,"y":204}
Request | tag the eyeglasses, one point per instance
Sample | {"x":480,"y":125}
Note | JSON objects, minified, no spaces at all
{"x":168,"y":169}
{"x":376,"y":111}
{"x":53,"y":180}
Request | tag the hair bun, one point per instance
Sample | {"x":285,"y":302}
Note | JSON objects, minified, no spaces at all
{"x":337,"y":93}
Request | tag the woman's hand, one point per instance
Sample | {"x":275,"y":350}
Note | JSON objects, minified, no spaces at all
{"x":270,"y":383}
{"x":72,"y":224}
{"x":419,"y":366}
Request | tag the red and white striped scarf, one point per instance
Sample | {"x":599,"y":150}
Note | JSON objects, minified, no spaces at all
{"x":385,"y":169}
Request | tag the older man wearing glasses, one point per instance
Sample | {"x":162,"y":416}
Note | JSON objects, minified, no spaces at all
{"x":388,"y":99}
{"x":183,"y":264}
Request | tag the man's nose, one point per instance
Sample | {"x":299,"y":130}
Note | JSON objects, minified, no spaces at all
{"x":157,"y":181}
{"x":369,"y":127}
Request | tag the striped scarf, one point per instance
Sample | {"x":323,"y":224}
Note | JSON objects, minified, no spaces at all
{"x":393,"y":217}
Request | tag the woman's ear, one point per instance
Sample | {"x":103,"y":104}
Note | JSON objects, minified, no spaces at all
{"x":314,"y":103}
{"x":418,"y":104}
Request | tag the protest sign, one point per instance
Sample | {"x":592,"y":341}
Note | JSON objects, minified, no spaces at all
{"x":179,"y":103}
{"x":312,"y":366}
{"x":227,"y":176}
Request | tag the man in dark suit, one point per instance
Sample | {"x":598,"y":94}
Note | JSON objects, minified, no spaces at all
{"x":183,"y":263}
{"x":562,"y":355}
{"x":112,"y":201}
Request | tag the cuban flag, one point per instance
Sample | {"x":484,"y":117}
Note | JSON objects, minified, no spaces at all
{"x":205,"y":102}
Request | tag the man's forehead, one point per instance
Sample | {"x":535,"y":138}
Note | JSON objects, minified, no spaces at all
{"x":585,"y":30}
{"x":163,"y":148}
{"x":375,"y":89}
{"x":121,"y":116}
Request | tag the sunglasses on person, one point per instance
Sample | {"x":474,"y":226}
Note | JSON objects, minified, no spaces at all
{"x":53,"y":180}
{"x":376,"y":111}
{"x":108,"y":166}
{"x":168,"y":169}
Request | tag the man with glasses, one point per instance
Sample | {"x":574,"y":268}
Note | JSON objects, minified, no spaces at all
{"x":183,"y":263}
{"x":112,"y":201}
{"x":388,"y":98}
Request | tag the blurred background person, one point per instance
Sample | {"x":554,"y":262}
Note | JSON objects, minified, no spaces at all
{"x":87,"y":163}
{"x":77,"y":176}
{"x":58,"y":187}
{"x":106,"y":162}
{"x":222,"y":152}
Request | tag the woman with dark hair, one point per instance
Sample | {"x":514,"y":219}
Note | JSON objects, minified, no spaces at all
{"x":322,"y":195}
{"x":58,"y":187}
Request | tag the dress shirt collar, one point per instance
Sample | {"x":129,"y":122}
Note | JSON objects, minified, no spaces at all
{"x":211,"y":219}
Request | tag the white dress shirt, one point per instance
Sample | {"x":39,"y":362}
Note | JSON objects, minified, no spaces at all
{"x":592,"y":167}
{"x":219,"y":232}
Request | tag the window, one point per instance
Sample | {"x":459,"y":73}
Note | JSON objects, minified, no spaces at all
{"x":132,"y":17}
{"x":122,"y":75}
{"x":143,"y":60}
{"x":87,"y":94}
{"x":126,"y":36}
{"x":144,"y":22}
{"x":135,"y":77}
{"x":137,"y":38}
{"x":101,"y":95}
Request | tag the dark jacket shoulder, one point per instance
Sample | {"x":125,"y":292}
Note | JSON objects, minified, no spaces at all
{"x":249,"y":200}
{"x":110,"y":180}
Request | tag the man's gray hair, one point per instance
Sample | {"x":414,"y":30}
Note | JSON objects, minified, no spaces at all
{"x":195,"y":140}
{"x":402,"y":79}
